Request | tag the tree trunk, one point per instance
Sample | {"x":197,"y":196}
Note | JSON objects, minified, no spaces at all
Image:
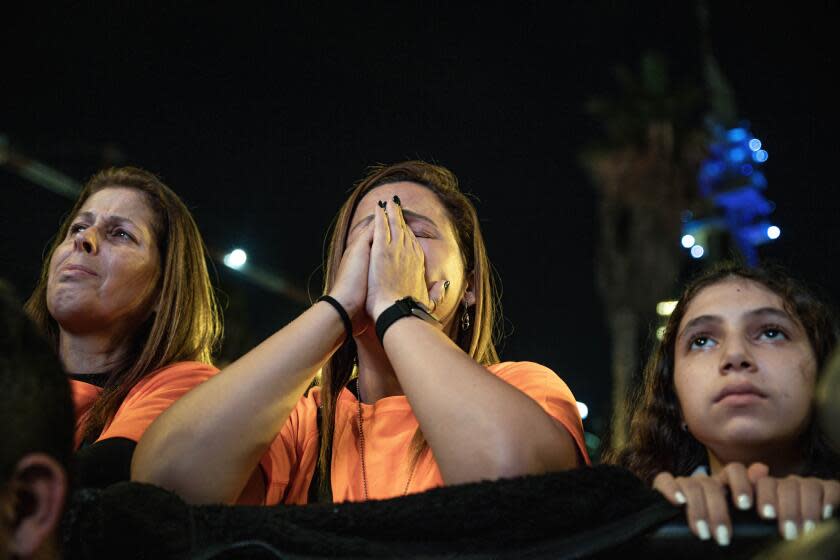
{"x":624,"y":328}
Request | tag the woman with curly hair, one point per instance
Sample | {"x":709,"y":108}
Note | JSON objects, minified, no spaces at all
{"x":727,"y":404}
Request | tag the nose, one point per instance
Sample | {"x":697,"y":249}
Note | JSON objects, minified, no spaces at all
{"x":86,"y":240}
{"x":736,"y":357}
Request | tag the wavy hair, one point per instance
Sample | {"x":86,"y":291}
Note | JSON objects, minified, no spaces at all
{"x":187,"y":325}
{"x":656,"y":439}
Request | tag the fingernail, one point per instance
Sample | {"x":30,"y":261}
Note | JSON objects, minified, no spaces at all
{"x":743,"y":502}
{"x":382,"y":204}
{"x":446,"y":285}
{"x":768,"y":512}
{"x":722,"y":535}
{"x":397,"y":200}
{"x":828,"y":511}
{"x":703,"y":530}
{"x":680,"y":497}
{"x":790,"y":532}
{"x":808,"y":526}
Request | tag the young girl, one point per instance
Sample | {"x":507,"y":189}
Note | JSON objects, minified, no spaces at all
{"x":409,"y":307}
{"x":727,"y":404}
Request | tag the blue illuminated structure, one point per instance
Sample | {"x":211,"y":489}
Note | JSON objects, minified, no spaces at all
{"x":731,"y":180}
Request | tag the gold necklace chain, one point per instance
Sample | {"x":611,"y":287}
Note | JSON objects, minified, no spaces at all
{"x":362,"y":451}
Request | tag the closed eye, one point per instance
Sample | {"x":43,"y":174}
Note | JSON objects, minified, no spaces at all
{"x":425,"y":234}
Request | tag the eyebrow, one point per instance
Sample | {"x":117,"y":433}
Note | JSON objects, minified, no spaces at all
{"x":110,"y":219}
{"x":716,"y":319}
{"x":409,"y":215}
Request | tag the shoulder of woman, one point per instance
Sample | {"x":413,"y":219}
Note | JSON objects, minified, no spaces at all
{"x":503,"y":369}
{"x":177,"y":374}
{"x":529,"y":373}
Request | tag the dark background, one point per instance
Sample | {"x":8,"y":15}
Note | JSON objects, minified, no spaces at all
{"x":261,"y":116}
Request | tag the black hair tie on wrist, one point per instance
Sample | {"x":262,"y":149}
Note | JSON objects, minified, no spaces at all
{"x":345,"y":318}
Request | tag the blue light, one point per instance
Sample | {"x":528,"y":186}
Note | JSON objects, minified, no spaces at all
{"x":688,"y":240}
{"x":755,"y":144}
{"x":746,"y":169}
{"x":773,"y":232}
{"x":736,"y":135}
{"x":697,"y":251}
{"x":760,"y":156}
{"x":712,"y":169}
{"x":738,"y":154}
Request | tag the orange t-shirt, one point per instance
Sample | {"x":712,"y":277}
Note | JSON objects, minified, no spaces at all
{"x":389,"y":426}
{"x":145,"y":402}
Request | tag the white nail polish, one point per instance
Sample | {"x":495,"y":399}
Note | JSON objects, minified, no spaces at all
{"x":790,"y":532}
{"x":768,"y":512}
{"x":722,"y":535}
{"x":703,"y":530}
{"x":808,"y":526}
{"x":828,"y":511}
{"x":743,"y":501}
{"x":679,"y":497}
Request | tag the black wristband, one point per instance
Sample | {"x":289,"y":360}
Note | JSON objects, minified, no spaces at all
{"x":345,"y":318}
{"x":405,"y":307}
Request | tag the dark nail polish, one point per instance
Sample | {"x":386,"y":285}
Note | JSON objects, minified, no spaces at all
{"x":382,"y":204}
{"x":397,"y":201}
{"x":446,"y":285}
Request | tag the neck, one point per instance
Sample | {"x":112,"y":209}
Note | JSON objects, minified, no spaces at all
{"x":88,"y":353}
{"x":377,"y":379}
{"x":781,"y":462}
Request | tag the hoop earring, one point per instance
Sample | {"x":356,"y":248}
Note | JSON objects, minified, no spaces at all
{"x":465,"y":319}
{"x":684,"y":427}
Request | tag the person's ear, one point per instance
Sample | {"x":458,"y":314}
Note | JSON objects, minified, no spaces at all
{"x":37,"y":490}
{"x":469,"y":293}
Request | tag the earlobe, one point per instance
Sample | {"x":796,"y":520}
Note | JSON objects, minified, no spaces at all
{"x":37,"y":492}
{"x":469,"y":293}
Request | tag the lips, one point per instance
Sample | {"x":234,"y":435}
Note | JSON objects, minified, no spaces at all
{"x":740,"y":389}
{"x":78,"y":268}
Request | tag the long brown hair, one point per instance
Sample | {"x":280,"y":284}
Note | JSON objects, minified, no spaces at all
{"x":187,"y":324}
{"x":657,"y":442}
{"x":477,"y":340}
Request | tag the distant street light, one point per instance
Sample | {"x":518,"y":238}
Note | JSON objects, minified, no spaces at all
{"x":235,"y":259}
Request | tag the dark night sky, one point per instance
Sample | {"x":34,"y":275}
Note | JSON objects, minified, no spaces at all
{"x":262,"y":118}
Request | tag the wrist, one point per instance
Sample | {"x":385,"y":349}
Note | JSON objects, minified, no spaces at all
{"x":343,"y":315}
{"x":346,"y":302}
{"x":405,"y":307}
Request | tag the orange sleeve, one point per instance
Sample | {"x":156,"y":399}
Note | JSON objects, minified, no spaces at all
{"x":154,"y":394}
{"x":288,"y":463}
{"x":83,"y":396}
{"x":550,"y":392}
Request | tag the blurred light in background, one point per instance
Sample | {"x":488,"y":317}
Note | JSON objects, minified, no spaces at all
{"x":755,"y":144}
{"x":773,"y":232}
{"x":688,"y":241}
{"x":760,"y":156}
{"x":665,"y":308}
{"x":236,"y":259}
{"x":583,"y":409}
{"x":697,"y":251}
{"x":660,"y":333}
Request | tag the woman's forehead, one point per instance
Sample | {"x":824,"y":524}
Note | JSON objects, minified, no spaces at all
{"x":117,"y":200}
{"x":413,"y":196}
{"x":731,"y":297}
